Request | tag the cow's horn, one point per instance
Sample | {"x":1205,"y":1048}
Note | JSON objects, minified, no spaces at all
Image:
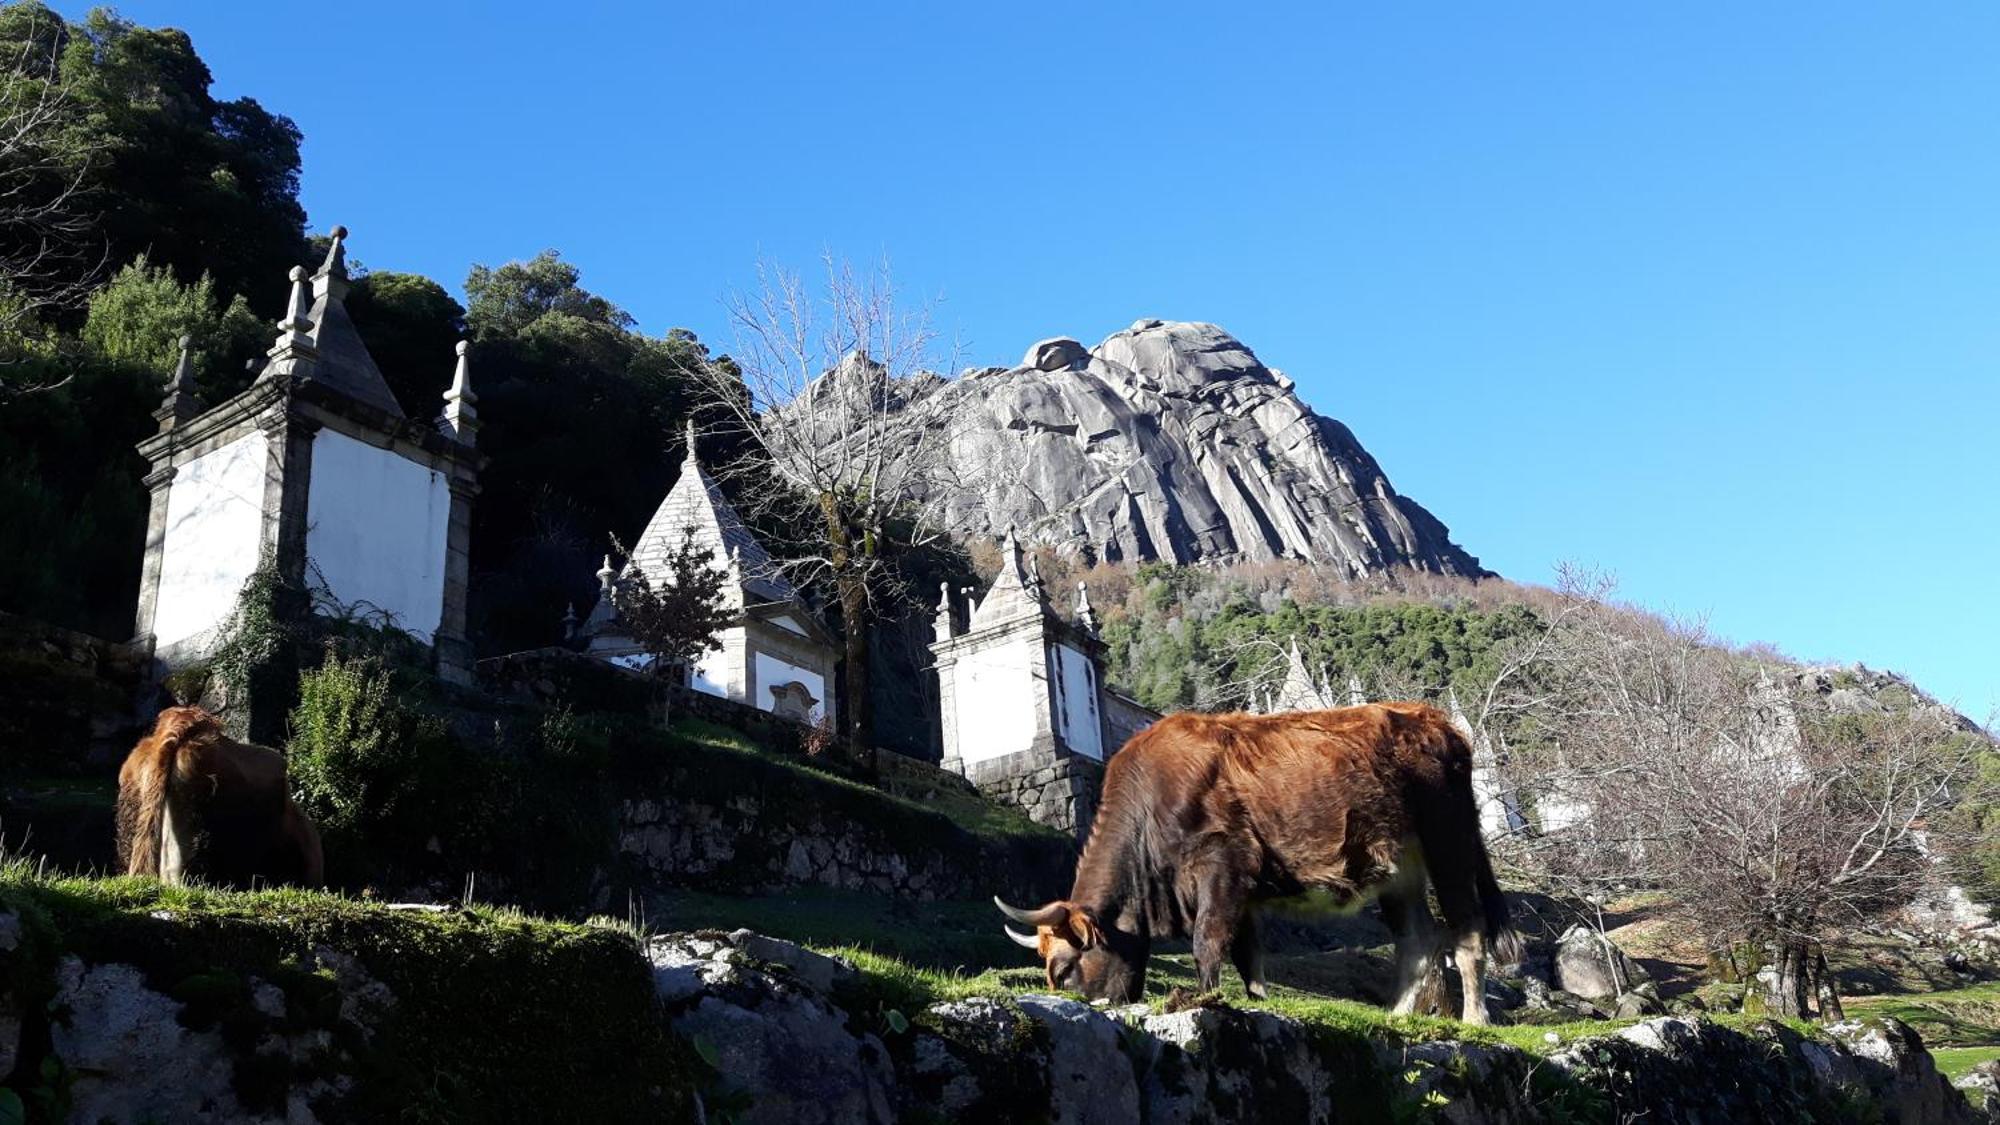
{"x":1021,"y":939}
{"x":1047,"y":916}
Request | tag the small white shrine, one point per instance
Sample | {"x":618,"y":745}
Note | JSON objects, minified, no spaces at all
{"x":316,"y":468}
{"x":1499,"y":806}
{"x":776,"y":656}
{"x":1023,"y":707}
{"x":1301,"y":690}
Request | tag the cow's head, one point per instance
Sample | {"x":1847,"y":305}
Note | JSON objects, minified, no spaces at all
{"x":1079,"y":952}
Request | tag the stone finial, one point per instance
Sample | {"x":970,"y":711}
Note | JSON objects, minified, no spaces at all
{"x":606,"y":575}
{"x":690,"y":438}
{"x":336,"y":252}
{"x":1034,"y":584}
{"x":294,"y":329}
{"x":569,"y":622}
{"x":1356,"y":694}
{"x":180,"y":403}
{"x":942,"y":625}
{"x":461,"y":418}
{"x":333,"y":279}
{"x":1085,"y":616}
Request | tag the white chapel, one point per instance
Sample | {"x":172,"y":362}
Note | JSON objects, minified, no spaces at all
{"x":776,"y":656}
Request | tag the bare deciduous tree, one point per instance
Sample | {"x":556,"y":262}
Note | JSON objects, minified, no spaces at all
{"x":837,"y":389}
{"x":1665,"y":760}
{"x":43,"y":161}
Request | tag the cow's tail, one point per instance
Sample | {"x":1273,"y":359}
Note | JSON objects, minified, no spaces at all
{"x":146,"y":792}
{"x":1503,"y":941}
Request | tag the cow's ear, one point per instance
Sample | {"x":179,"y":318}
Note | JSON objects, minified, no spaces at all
{"x":1084,"y":927}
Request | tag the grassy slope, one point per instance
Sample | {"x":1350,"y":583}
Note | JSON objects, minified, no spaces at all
{"x":1961,"y":1026}
{"x":912,"y":987}
{"x":988,"y":819}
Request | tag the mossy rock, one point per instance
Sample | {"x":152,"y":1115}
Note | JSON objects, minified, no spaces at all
{"x":494,"y":1016}
{"x":1724,"y":996}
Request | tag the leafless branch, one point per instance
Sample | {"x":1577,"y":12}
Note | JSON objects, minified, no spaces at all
{"x":44,"y":160}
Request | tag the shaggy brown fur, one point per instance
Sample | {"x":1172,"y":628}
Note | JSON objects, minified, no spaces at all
{"x":194,"y":802}
{"x":1204,"y":816}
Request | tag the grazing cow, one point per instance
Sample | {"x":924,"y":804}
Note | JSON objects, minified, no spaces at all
{"x":194,"y":802}
{"x":1204,"y":816}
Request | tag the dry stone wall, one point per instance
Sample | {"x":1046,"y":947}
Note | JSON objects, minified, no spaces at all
{"x":735,"y":846}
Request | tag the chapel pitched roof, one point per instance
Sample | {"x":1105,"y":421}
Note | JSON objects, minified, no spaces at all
{"x":1016,"y":590}
{"x":343,"y":362}
{"x":696,"y":502}
{"x":1299,"y":691}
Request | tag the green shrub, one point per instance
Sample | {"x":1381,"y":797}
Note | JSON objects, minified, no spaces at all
{"x":357,"y":756}
{"x":402,"y":801}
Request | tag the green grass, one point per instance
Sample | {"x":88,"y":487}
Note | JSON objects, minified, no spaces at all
{"x":918,"y":954}
{"x":912,"y":987}
{"x":987,"y":819}
{"x":942,"y":936}
{"x":1955,"y":1062}
{"x":1963,"y":1017}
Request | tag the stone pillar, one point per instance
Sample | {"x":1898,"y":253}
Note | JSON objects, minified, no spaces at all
{"x":160,"y":484}
{"x":1042,"y":696}
{"x":948,"y":715}
{"x":450,"y":646}
{"x":287,"y":486}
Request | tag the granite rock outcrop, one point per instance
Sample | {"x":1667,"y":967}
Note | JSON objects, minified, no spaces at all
{"x":1172,"y":441}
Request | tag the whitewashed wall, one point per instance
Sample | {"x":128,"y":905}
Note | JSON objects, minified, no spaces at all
{"x":993,"y":701}
{"x":710,"y":673}
{"x":1076,"y":697}
{"x":215,"y":530}
{"x":377,"y":528}
{"x":772,"y":672}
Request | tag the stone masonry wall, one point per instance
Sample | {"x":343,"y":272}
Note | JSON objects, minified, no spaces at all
{"x":1057,"y":790}
{"x":69,"y":701}
{"x":733,"y":847}
{"x":832,"y":817}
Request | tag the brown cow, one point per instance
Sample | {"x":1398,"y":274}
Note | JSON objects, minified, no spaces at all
{"x":194,"y":802}
{"x":1204,"y":816}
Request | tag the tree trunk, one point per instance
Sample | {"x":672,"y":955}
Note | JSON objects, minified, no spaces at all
{"x":850,"y":586}
{"x":856,"y":713}
{"x":1830,"y":1010}
{"x":1789,"y":988}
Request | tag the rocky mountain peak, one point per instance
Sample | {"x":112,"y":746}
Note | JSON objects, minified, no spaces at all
{"x":1172,"y":441}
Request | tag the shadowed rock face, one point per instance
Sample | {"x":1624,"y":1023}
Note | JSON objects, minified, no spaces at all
{"x":1170,"y":441}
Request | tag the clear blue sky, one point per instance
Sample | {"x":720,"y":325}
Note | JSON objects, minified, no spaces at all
{"x":1706,"y":296}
